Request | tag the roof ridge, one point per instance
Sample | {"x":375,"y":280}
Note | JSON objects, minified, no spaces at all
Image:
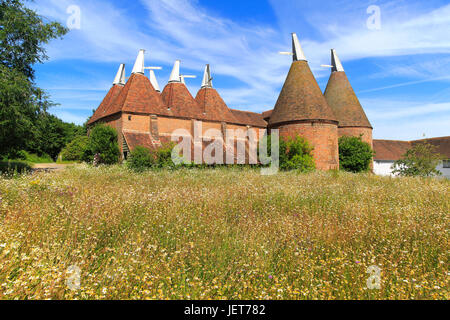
{"x":245,"y":111}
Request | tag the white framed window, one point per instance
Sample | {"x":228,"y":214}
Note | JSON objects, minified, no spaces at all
{"x":446,"y":164}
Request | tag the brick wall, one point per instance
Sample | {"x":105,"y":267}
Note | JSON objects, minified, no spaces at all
{"x":165,"y":126}
{"x":324,"y":138}
{"x":168,"y":125}
{"x":136,"y":122}
{"x":356,"y":132}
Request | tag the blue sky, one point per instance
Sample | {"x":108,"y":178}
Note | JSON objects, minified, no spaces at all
{"x":401,"y":71}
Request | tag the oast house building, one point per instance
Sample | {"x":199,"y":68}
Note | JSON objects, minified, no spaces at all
{"x":145,"y":116}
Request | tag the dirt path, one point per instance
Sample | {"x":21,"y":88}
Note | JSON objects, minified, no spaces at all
{"x":48,"y":167}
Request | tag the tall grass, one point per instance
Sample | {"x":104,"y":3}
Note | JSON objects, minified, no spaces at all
{"x":222,"y":234}
{"x":14,"y":168}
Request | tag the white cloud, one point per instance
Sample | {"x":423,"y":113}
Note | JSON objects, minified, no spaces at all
{"x":395,"y":110}
{"x":404,"y":84}
{"x":407,"y":120}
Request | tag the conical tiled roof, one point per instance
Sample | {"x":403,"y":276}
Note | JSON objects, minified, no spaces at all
{"x":343,"y":100}
{"x":102,"y":109}
{"x":180,"y":102}
{"x":138,"y":96}
{"x":213,"y":107}
{"x":119,"y":82}
{"x":301,"y":98}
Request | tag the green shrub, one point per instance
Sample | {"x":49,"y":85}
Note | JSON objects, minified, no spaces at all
{"x":295,"y":153}
{"x":10,"y":168}
{"x":141,"y":159}
{"x":19,"y":155}
{"x":102,"y":142}
{"x":355,"y":155}
{"x":163,"y":157}
{"x":75,"y":150}
{"x":23,"y":155}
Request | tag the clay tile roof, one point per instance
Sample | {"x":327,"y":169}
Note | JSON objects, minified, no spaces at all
{"x":101,"y":110}
{"x":390,"y":149}
{"x":343,"y":101}
{"x":213,"y":107}
{"x":134,"y":139}
{"x":301,"y":98}
{"x":394,"y":150}
{"x":249,"y":118}
{"x":267,"y":114}
{"x":442,"y":145}
{"x":138,"y":96}
{"x":179,"y":100}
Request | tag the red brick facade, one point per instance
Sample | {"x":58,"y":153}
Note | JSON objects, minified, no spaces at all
{"x":365,"y":133}
{"x":323,"y":137}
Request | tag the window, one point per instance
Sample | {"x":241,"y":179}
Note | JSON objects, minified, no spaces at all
{"x":446,"y":164}
{"x":129,"y":118}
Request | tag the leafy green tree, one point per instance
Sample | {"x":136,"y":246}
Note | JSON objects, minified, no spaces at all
{"x":17,"y":111}
{"x":102,"y":142}
{"x":421,"y":160}
{"x":141,"y":159}
{"x":355,"y":155}
{"x":23,"y":36}
{"x":75,"y":150}
{"x":51,"y":135}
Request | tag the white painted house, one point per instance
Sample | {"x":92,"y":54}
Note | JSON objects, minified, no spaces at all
{"x":389,"y":151}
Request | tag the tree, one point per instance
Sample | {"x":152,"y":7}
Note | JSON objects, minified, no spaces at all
{"x":102,"y":142}
{"x":51,"y":135}
{"x":75,"y":150}
{"x":23,"y":34}
{"x":421,"y":160}
{"x":17,"y":111}
{"x":355,"y":155}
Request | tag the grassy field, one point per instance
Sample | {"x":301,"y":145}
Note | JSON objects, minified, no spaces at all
{"x":222,"y":234}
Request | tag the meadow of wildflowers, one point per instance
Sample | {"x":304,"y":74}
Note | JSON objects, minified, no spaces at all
{"x":222,"y":234}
